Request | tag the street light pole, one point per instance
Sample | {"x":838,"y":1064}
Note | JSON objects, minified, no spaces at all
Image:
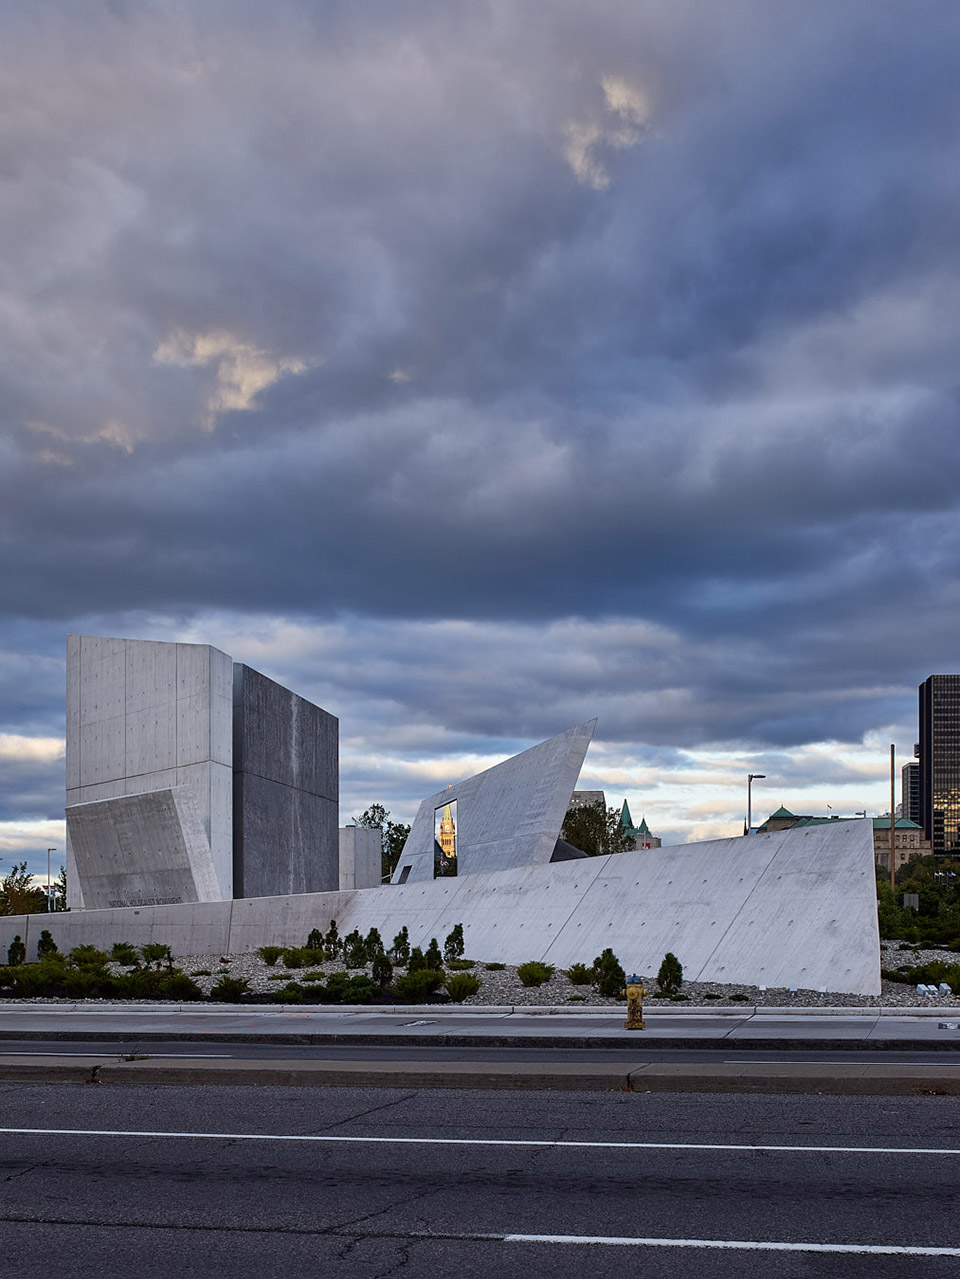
{"x":751,"y":777}
{"x":49,"y":851}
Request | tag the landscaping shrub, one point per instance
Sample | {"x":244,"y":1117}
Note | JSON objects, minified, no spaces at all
{"x":157,"y":953}
{"x":87,"y":957}
{"x":609,"y":979}
{"x":293,"y":957}
{"x":270,"y":954}
{"x":579,"y":974}
{"x":533,"y":973}
{"x":417,"y":986}
{"x":400,"y":950}
{"x":289,"y":994}
{"x":461,"y":986}
{"x":738,"y":997}
{"x":712,"y":994}
{"x":315,"y":975}
{"x":433,"y":958}
{"x":373,"y":943}
{"x":416,"y":962}
{"x":931,"y":973}
{"x":670,"y":975}
{"x":177,"y":985}
{"x":342,"y":988}
{"x":355,"y":950}
{"x":453,"y":946}
{"x":381,"y":970}
{"x":46,"y":945}
{"x":201,"y":972}
{"x":461,"y":965}
{"x":124,"y":953}
{"x":315,"y":939}
{"x":229,"y":990}
{"x":331,"y":943}
{"x":494,"y":967}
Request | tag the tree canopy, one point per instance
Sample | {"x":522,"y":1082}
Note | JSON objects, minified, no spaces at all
{"x":393,"y":836}
{"x":595,"y":830}
{"x":18,"y":896}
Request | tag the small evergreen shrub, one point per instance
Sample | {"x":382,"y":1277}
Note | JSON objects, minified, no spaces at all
{"x":433,"y":958}
{"x":416,"y":962}
{"x":177,"y":985}
{"x":738,"y":997}
{"x":124,"y":953}
{"x":416,"y":987}
{"x":711,"y":994}
{"x":201,"y":972}
{"x":331,"y":943}
{"x":534,"y":973}
{"x":292,"y":993}
{"x":315,"y":939}
{"x":373,"y":943}
{"x":156,"y":953}
{"x":230,"y":990}
{"x":400,"y":950}
{"x":579,"y":974}
{"x":461,"y":986}
{"x":277,"y":977}
{"x":87,"y":957}
{"x":355,"y":950}
{"x":461,"y":965}
{"x":381,"y":970}
{"x":670,"y":975}
{"x":494,"y":967}
{"x":314,"y":975}
{"x":344,"y":988}
{"x":293,"y":957}
{"x":453,"y":946}
{"x":270,"y":954}
{"x":609,"y":979}
{"x":46,"y":945}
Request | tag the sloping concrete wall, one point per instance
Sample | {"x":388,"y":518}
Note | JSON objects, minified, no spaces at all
{"x":508,"y":815}
{"x":794,"y":908}
{"x":143,"y":850}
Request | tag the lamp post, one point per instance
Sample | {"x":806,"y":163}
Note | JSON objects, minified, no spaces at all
{"x":49,"y":851}
{"x":751,"y":778}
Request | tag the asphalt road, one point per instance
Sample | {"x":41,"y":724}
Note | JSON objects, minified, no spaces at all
{"x":378,"y":1182}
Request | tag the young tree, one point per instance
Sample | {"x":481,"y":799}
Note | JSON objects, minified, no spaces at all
{"x":595,"y":830}
{"x":18,"y":895}
{"x":393,"y":836}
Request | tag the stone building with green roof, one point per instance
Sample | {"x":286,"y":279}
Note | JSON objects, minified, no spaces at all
{"x":639,"y":836}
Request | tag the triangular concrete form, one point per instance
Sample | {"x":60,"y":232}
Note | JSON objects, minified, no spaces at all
{"x":507,"y":816}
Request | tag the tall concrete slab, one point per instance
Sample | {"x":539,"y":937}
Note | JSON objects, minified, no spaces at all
{"x":508,"y":815}
{"x":360,"y":857}
{"x":143,"y":715}
{"x":285,"y":790}
{"x":142,"y":850}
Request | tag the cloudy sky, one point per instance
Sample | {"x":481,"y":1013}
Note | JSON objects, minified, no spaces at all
{"x":478,"y":368}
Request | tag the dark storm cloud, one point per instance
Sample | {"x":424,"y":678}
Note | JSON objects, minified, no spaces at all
{"x":611,"y":351}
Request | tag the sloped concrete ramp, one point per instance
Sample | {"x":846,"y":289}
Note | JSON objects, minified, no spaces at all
{"x":792,"y":908}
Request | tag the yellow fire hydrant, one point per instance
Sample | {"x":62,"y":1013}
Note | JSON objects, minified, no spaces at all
{"x":635,"y":994}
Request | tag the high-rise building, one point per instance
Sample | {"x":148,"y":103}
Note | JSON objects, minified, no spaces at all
{"x":910,"y":792}
{"x":940,"y":762}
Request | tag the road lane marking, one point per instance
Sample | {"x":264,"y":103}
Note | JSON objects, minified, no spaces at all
{"x":481,"y":1141}
{"x":753,"y":1245}
{"x":22,"y":1052}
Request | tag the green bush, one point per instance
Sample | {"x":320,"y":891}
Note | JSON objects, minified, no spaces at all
{"x":579,"y":974}
{"x":315,"y":974}
{"x":931,"y":973}
{"x":289,"y":994}
{"x":461,"y":986}
{"x":494,"y":967}
{"x":460,"y":965}
{"x":270,"y":954}
{"x":230,"y":990}
{"x":533,"y":973}
{"x":373,"y":943}
{"x":453,"y":946}
{"x":416,"y":987}
{"x":712,"y":994}
{"x":315,"y":939}
{"x":201,"y":972}
{"x":293,"y":957}
{"x":157,"y":953}
{"x":16,"y":951}
{"x":344,"y":988}
{"x":46,"y":945}
{"x":354,"y":950}
{"x":433,"y":958}
{"x":331,"y":943}
{"x":416,"y":962}
{"x":381,"y":970}
{"x":670,"y":975}
{"x":124,"y":953}
{"x":609,"y":979}
{"x":400,"y":950}
{"x":738,"y":997}
{"x":88,"y":957}
{"x":177,"y":985}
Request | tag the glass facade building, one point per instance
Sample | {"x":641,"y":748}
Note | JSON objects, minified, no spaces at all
{"x":940,"y":762}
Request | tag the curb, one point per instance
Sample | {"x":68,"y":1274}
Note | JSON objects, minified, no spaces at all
{"x":477,"y":1010}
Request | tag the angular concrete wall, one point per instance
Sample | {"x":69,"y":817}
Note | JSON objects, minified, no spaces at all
{"x":145,"y":715}
{"x":285,"y":790}
{"x":508,"y":815}
{"x":143,"y":850}
{"x":793,"y":908}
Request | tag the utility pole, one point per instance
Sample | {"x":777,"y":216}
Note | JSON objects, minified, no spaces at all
{"x":893,"y":821}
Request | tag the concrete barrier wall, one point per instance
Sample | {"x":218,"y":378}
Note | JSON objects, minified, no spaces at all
{"x":793,"y":908}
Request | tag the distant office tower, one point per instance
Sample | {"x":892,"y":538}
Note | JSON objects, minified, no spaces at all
{"x":910,"y":792}
{"x":940,"y":762}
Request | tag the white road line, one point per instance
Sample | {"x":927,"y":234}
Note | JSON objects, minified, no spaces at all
{"x":483,"y":1141}
{"x":112,"y":1056}
{"x":753,"y":1245}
